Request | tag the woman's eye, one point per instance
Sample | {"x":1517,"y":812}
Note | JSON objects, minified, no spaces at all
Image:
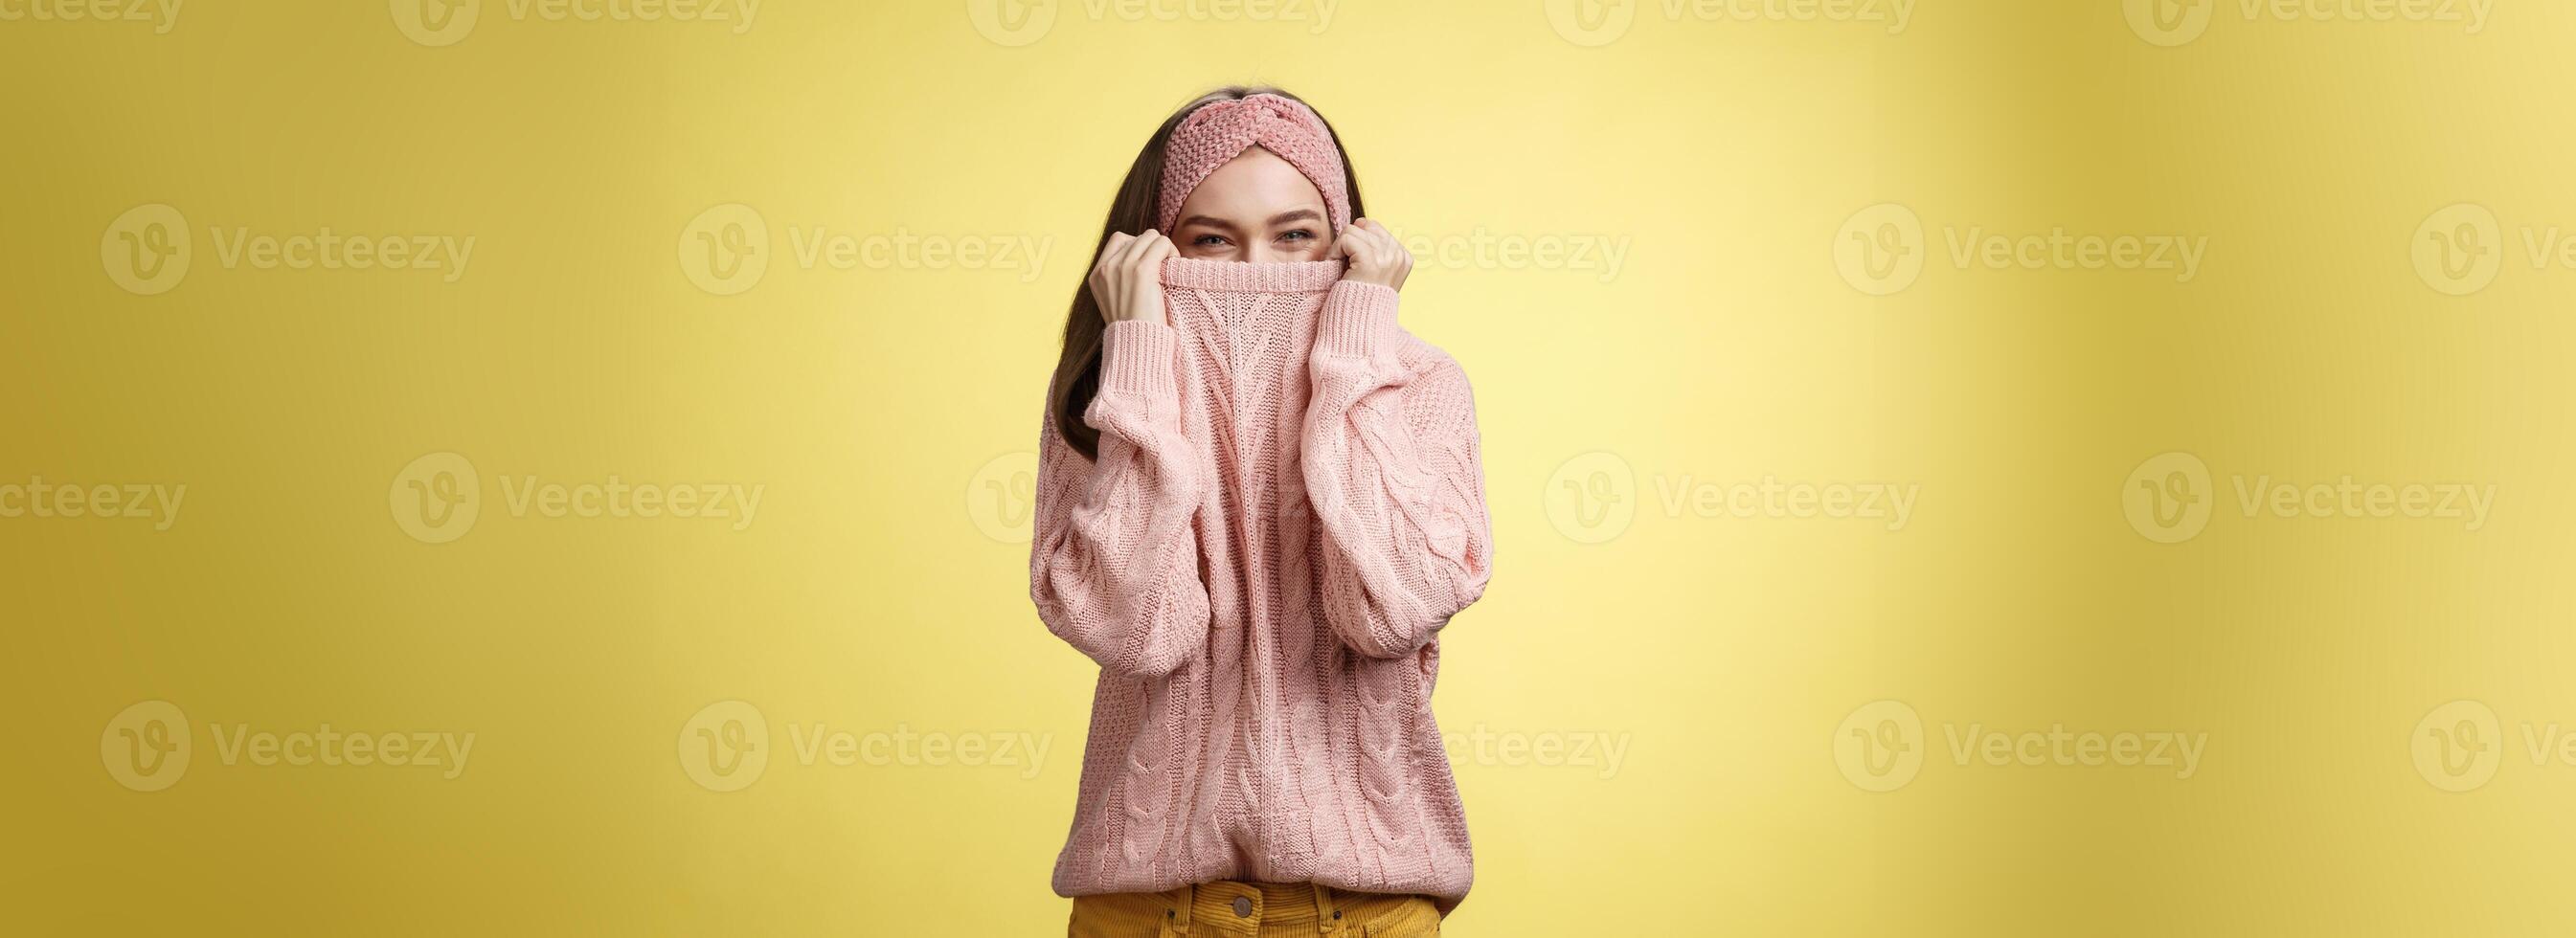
{"x":1300,"y":234}
{"x":1208,"y":240}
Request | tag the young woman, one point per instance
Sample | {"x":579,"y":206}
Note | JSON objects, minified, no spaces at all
{"x":1259,"y":502}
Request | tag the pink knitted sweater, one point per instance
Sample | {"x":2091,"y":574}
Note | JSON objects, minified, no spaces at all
{"x":1287,"y":509}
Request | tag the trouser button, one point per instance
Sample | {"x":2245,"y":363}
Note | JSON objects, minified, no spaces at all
{"x":1243,"y":906}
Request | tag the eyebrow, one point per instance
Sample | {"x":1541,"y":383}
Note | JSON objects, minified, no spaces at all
{"x":1294,"y":214}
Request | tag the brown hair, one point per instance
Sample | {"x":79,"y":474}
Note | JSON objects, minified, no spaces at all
{"x":1077,"y":370}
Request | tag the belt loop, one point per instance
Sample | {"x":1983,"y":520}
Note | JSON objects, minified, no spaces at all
{"x":1327,"y":918}
{"x":1185,"y":898}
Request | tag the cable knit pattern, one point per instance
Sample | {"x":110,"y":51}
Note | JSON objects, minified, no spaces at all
{"x":1287,"y":509}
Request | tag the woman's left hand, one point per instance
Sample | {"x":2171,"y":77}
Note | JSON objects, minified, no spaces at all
{"x":1375,"y":256}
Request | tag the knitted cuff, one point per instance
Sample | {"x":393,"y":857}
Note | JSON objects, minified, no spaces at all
{"x":1136,"y":356}
{"x":1358,"y":321}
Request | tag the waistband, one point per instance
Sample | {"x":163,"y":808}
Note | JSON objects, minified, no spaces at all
{"x":1244,"y":906}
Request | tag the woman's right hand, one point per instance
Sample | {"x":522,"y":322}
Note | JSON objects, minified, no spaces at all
{"x":1128,"y":282}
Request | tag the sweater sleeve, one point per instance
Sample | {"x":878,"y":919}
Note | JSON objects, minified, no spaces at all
{"x":1114,"y":564}
{"x":1394,"y":469}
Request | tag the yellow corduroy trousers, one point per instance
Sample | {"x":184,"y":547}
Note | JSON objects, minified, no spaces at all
{"x":1240,"y":909}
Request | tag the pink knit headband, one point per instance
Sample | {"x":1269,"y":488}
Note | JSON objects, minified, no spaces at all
{"x":1216,"y":133}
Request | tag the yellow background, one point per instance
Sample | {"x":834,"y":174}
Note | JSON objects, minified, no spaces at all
{"x":872,"y":404}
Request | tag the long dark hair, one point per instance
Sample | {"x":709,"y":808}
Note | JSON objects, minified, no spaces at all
{"x":1077,"y":371}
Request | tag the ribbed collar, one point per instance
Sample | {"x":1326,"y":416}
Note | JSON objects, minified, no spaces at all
{"x":1239,"y":277}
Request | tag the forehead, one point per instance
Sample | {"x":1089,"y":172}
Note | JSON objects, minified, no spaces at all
{"x":1254,"y":185}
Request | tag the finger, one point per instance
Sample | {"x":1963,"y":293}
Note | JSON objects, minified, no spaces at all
{"x":1345,"y":246}
{"x":1363,"y":242}
{"x":1383,"y":251}
{"x":1161,"y":247}
{"x":1149,"y":263}
{"x":1115,"y":249}
{"x":1148,"y":250}
{"x":1377,"y":233}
